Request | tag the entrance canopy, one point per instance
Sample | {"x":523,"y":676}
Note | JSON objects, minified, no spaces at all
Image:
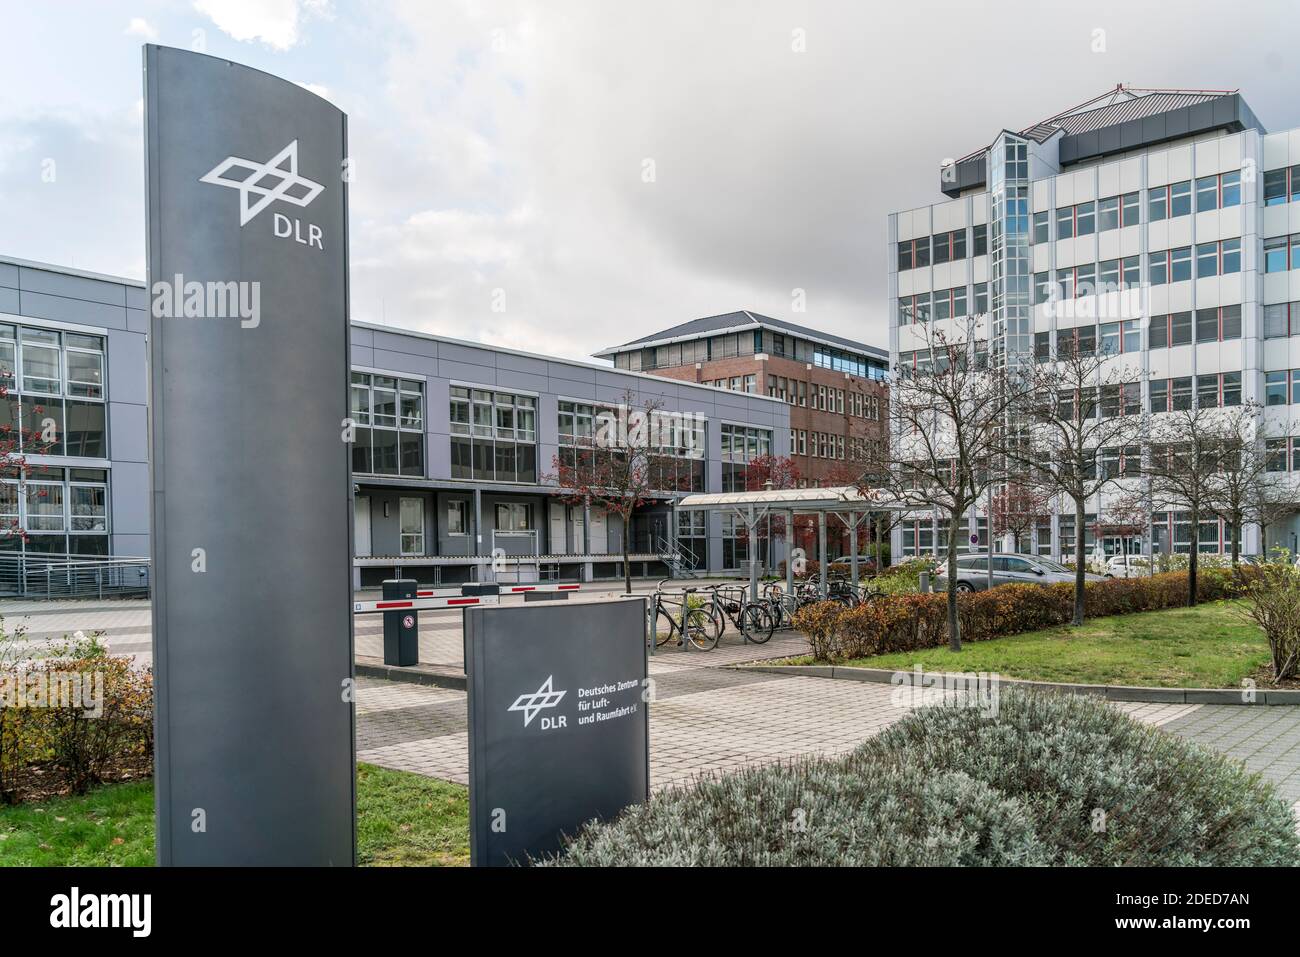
{"x":842,"y":498}
{"x":847,"y":502}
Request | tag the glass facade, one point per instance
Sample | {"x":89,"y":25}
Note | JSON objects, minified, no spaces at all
{"x":1009,"y":256}
{"x":493,"y":435}
{"x":389,"y":416}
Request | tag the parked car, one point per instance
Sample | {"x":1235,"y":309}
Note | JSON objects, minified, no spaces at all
{"x":973,"y":572}
{"x":1127,"y":566}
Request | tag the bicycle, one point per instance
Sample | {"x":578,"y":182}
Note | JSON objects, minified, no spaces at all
{"x":703,"y":627}
{"x":750,"y":618}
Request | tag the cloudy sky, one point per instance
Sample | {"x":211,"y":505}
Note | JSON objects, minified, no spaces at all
{"x":615,"y":167}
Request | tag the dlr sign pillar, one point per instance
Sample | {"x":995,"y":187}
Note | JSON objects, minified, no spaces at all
{"x":251,"y":481}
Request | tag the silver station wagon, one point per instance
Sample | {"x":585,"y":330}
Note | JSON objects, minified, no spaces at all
{"x":973,"y":572}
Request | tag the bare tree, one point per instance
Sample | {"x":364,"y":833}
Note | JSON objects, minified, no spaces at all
{"x":947,"y":415}
{"x":1081,"y":418}
{"x":1189,"y":450}
{"x":1243,"y":466}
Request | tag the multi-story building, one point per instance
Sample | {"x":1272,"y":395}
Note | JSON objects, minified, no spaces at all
{"x":454,"y":459}
{"x":1179,"y":194}
{"x":835,"y":388}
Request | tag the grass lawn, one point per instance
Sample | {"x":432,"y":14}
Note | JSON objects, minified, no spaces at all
{"x":402,"y":820}
{"x":1209,"y":646}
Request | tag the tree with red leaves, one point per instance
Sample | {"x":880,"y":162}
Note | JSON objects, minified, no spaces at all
{"x":638,"y":454}
{"x":1017,"y":508}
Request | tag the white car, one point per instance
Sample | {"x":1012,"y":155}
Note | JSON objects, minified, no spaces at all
{"x":1126,"y":566}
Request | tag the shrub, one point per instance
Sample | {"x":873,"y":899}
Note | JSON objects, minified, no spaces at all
{"x":1042,"y":780}
{"x":1273,"y":603}
{"x":107,"y":734}
{"x":910,"y":622}
{"x":904,"y":578}
{"x":85,"y":747}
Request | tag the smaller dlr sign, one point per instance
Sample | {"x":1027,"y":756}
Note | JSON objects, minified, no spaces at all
{"x":558,"y":722}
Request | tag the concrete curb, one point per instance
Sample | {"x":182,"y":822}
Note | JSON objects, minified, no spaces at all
{"x":1263,"y":696}
{"x":415,"y":675}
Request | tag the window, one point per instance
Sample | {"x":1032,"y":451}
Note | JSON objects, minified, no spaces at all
{"x":1180,"y":329}
{"x":458,"y":518}
{"x":514,"y":517}
{"x":1231,"y":388}
{"x":1276,"y":320}
{"x":1230,"y":252}
{"x":1041,"y":228}
{"x":1275,"y":388}
{"x":1042,"y":287}
{"x":500,"y":443}
{"x":53,"y":377}
{"x":1168,"y":202}
{"x":1108,"y":214}
{"x":1230,"y":189}
{"x":980,"y":240}
{"x":1158,"y":267}
{"x":1131,"y":335}
{"x":1207,"y":391}
{"x":1171,"y":265}
{"x":1159,"y":391}
{"x":412,"y":525}
{"x":1276,"y":254}
{"x":949,"y":247}
{"x":1159,"y":338}
{"x":1065,"y":223}
{"x":1207,"y":260}
{"x":914,"y":253}
{"x":1181,"y":393}
{"x":1281,"y":186}
{"x":1132,"y":275}
{"x":389,"y":415}
{"x":740,"y":445}
{"x":1042,"y":345}
{"x":1129,"y":203}
{"x":1085,"y":219}
{"x":1207,"y":193}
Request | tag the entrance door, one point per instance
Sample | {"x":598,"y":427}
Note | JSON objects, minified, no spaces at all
{"x":361,"y":525}
{"x":559,"y":543}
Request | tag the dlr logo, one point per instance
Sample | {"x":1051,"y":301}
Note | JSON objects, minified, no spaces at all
{"x":284,"y":228}
{"x":552,"y":724}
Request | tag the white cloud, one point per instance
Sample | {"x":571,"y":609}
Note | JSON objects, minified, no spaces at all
{"x":140,"y":27}
{"x":277,"y":23}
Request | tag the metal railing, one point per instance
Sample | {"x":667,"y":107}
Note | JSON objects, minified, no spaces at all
{"x":680,"y":559}
{"x":72,"y":576}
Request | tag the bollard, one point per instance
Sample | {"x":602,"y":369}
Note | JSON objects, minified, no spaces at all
{"x":401,"y":628}
{"x":925,"y":583}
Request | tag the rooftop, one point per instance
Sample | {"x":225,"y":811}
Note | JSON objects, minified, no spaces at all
{"x":1122,"y":118}
{"x":737,"y":322}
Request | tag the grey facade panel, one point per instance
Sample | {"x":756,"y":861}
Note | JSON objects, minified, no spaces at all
{"x":8,"y":300}
{"x":126,"y":426}
{"x":41,"y":305}
{"x":8,"y":275}
{"x":71,"y":287}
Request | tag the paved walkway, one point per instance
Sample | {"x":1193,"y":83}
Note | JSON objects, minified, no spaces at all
{"x":705,"y":717}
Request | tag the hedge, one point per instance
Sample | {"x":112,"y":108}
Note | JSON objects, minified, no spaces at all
{"x":892,"y":623}
{"x":1042,"y":779}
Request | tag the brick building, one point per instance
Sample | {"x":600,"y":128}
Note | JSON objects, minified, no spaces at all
{"x":836,"y":388}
